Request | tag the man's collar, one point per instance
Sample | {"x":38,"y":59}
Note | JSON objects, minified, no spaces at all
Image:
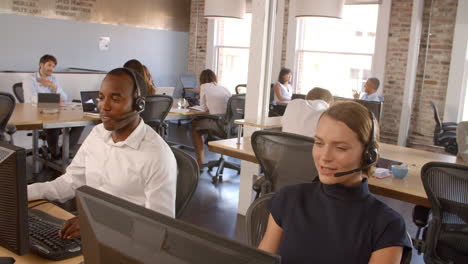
{"x":133,"y":140}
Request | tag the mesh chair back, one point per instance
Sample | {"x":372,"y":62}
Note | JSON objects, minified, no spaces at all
{"x":235,"y":110}
{"x":187,"y":179}
{"x":7,"y":105}
{"x":285,"y":158}
{"x":374,"y":107}
{"x":257,"y":220}
{"x":298,"y":96}
{"x":436,"y":114}
{"x":18,"y":91}
{"x":156,"y":110}
{"x":446,"y":185}
{"x":241,"y":88}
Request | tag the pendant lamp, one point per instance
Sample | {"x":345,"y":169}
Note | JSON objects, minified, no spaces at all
{"x":225,"y":9}
{"x":319,"y":8}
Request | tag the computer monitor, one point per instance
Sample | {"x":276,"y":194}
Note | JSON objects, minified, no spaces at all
{"x":114,"y":230}
{"x":14,"y":232}
{"x":89,"y":101}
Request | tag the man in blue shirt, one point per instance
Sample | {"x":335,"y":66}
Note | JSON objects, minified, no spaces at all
{"x":370,"y":91}
{"x":44,"y":82}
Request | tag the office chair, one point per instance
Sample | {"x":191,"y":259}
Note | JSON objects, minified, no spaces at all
{"x":256,"y":220}
{"x":235,"y":110}
{"x":275,"y":109}
{"x":373,"y":106}
{"x":445,"y":239}
{"x":156,"y":109}
{"x":444,"y":133}
{"x":298,"y":96}
{"x":241,"y":88}
{"x":285,"y":158}
{"x":462,"y":140}
{"x":189,"y":81}
{"x":7,"y":105}
{"x":18,"y":91}
{"x":187,"y":179}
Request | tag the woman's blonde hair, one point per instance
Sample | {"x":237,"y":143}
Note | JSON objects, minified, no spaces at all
{"x":360,"y":120}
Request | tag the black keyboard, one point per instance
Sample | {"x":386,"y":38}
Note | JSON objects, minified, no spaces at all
{"x":44,"y":239}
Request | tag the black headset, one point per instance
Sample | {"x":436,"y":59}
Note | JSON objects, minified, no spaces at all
{"x":139,"y":104}
{"x":370,"y":154}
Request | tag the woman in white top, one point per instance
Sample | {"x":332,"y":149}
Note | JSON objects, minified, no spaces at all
{"x":282,"y":88}
{"x":213,"y":99}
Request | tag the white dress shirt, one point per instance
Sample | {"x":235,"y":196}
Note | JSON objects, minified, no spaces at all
{"x":142,"y":169}
{"x":31,"y":87}
{"x":301,"y":116}
{"x":214,"y":98}
{"x":371,"y":97}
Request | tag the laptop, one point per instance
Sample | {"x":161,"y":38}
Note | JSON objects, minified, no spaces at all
{"x":89,"y":102}
{"x":165,"y":91}
{"x":49,"y":100}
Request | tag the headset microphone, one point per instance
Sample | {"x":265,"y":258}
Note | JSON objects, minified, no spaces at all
{"x":339,"y":174}
{"x":129,"y":115}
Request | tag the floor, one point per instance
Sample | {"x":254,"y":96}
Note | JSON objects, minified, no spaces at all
{"x":215,"y":207}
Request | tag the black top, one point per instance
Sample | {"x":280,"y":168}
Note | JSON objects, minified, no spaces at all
{"x":331,"y":223}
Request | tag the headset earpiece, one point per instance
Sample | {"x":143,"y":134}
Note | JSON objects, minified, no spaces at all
{"x":139,"y":103}
{"x":370,"y":154}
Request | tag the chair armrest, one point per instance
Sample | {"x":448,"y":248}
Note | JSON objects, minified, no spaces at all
{"x":444,"y":124}
{"x":208,"y":116}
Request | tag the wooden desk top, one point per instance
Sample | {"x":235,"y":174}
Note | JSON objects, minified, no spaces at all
{"x":409,"y":189}
{"x":270,"y":122}
{"x":175,"y":115}
{"x":27,"y":116}
{"x":34,"y":259}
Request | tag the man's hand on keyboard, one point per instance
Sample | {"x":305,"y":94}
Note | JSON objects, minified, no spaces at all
{"x":70,"y":229}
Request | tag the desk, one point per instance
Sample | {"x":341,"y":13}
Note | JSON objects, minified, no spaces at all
{"x":270,"y":122}
{"x":27,"y":116}
{"x":174,"y":114}
{"x":410,"y":189}
{"x":33,"y":259}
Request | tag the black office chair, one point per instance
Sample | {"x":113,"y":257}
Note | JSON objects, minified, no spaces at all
{"x":445,"y":239}
{"x":445,"y":133}
{"x":235,"y":110}
{"x":189,"y":81}
{"x":298,"y":96}
{"x":241,"y":88}
{"x":7,"y":105}
{"x":156,"y":109}
{"x":187,"y":179}
{"x":18,"y":91}
{"x":256,"y":220}
{"x":373,"y":106}
{"x":285,"y":158}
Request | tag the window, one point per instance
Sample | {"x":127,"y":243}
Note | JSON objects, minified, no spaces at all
{"x":336,"y":54}
{"x":232,"y":42}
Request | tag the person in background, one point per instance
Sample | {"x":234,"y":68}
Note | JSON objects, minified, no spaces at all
{"x":213,"y":99}
{"x":370,"y":91}
{"x":337,"y":219}
{"x":44,"y":81}
{"x":121,"y":156}
{"x":282,"y":89}
{"x":301,"y":116}
{"x":137,"y":66}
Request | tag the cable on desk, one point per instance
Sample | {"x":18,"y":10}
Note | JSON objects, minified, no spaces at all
{"x":39,"y":204}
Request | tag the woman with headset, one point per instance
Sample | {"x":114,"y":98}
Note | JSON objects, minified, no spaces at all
{"x":337,"y":219}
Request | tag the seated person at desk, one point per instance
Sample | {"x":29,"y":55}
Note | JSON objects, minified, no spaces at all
{"x":301,"y":116}
{"x":143,"y":71}
{"x":370,"y":91}
{"x":122,"y":156}
{"x":282,"y":89}
{"x":337,"y":219}
{"x":44,"y":82}
{"x":213,"y":99}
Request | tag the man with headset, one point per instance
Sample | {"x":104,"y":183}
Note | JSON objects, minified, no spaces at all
{"x":122,"y":156}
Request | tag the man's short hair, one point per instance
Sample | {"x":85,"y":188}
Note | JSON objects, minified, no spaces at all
{"x":46,"y":58}
{"x":320,"y":94}
{"x":374,"y":82}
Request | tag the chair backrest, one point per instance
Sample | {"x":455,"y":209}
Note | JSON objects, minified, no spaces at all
{"x":436,"y":114}
{"x":7,"y":105}
{"x":446,"y":185}
{"x":373,"y":106}
{"x":156,"y":109}
{"x":462,"y":140}
{"x":188,"y":173}
{"x":235,"y":110}
{"x":257,"y":220}
{"x":285,"y":158}
{"x":18,"y":91}
{"x":298,"y":96}
{"x":241,"y":88}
